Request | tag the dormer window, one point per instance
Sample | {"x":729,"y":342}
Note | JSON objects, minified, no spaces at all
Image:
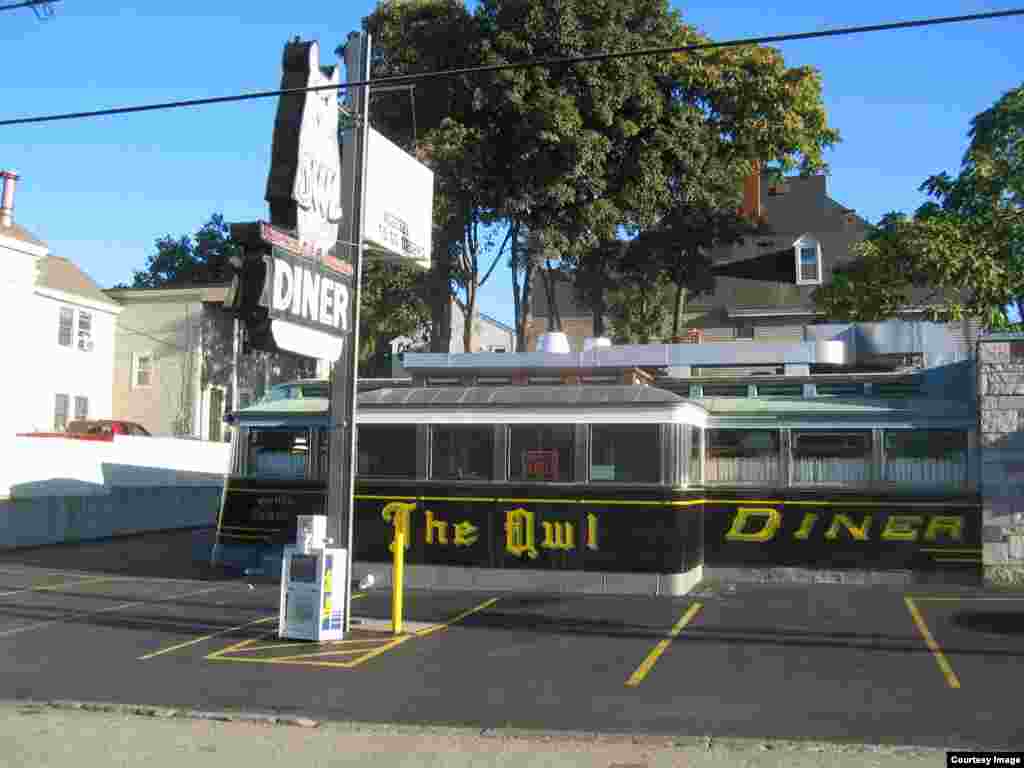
{"x":808,"y":261}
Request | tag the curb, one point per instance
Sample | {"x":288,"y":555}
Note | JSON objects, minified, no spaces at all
{"x":592,"y":738}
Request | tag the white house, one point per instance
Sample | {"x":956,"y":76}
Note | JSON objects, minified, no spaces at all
{"x":58,"y":329}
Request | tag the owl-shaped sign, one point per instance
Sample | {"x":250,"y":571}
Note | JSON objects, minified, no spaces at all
{"x":304,"y":185}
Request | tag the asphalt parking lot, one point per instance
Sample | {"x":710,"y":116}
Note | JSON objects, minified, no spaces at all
{"x":135,"y":620}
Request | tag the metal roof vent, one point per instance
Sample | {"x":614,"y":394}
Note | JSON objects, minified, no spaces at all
{"x":555,"y":342}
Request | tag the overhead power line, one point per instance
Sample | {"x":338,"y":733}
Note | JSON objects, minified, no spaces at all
{"x":414,"y":78}
{"x":35,"y":5}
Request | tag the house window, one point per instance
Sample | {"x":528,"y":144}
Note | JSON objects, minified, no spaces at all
{"x":85,"y":331}
{"x":66,"y":327}
{"x":60,"y":413}
{"x":808,"y":262}
{"x":81,"y":408}
{"x":142,"y":370}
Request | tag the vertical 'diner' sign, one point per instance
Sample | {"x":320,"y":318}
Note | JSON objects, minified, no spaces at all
{"x":294,"y":290}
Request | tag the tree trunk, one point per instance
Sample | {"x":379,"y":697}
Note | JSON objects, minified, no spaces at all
{"x":677,"y":311}
{"x":441,"y":306}
{"x":554,"y":319}
{"x":468,"y":312}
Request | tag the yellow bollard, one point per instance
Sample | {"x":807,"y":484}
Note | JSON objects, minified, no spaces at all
{"x":397,"y":513}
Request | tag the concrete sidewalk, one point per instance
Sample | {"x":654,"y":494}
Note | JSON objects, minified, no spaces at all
{"x":76,"y":734}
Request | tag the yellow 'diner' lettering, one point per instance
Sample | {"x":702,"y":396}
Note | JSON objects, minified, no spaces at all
{"x":519,"y":534}
{"x":806,"y":525}
{"x":858,"y":532}
{"x":772,"y":519}
{"x":951,"y":525}
{"x":902,"y":528}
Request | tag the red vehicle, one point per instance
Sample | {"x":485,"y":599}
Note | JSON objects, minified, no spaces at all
{"x":106,"y":427}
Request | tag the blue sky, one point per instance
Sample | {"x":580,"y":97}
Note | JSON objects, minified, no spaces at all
{"x":100,"y":191}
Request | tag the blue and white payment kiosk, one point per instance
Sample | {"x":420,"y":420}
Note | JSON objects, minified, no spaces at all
{"x":312,"y":579}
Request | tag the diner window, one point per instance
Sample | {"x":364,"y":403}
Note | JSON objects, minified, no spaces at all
{"x":280,"y":453}
{"x":386,"y":450}
{"x":626,"y":453}
{"x":696,"y":456}
{"x":66,"y":327}
{"x":925,"y":456}
{"x":743,"y":456}
{"x":60,"y":412}
{"x":832,"y":457}
{"x":541,"y":452}
{"x":462,"y":453}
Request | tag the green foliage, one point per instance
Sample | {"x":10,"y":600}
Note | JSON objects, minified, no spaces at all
{"x":966,"y":247}
{"x":638,"y":309}
{"x":199,"y":259}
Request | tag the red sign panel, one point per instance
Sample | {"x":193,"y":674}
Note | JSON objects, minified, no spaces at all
{"x":542,"y":464}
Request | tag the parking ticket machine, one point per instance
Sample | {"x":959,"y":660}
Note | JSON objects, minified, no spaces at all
{"x":312,"y":579}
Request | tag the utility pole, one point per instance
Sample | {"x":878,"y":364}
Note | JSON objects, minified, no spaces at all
{"x":344,"y":378}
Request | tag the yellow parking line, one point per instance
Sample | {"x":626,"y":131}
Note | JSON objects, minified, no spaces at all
{"x":957,"y":598}
{"x":460,"y":617}
{"x":187,"y":643}
{"x":61,"y":585}
{"x":390,"y":642}
{"x":940,"y":658}
{"x":641,"y":672}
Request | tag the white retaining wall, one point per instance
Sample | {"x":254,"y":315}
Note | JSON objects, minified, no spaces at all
{"x":68,"y":490}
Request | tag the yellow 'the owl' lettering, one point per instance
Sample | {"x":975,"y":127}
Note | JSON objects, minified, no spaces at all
{"x":519,"y":533}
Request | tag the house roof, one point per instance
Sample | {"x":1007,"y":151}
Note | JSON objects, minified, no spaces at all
{"x":214,"y":292}
{"x":17,"y":232}
{"x":60,"y":274}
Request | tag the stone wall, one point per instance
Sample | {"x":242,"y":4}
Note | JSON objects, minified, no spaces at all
{"x":1001,"y":443}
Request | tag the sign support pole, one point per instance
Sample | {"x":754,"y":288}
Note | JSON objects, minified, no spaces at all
{"x":344,"y":381}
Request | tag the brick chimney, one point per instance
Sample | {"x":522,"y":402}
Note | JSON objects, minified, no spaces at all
{"x":9,"y":179}
{"x":752,"y":195}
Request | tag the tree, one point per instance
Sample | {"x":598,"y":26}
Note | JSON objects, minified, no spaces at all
{"x":965,"y":247}
{"x":199,"y":259}
{"x":441,"y":126}
{"x":393,"y":300}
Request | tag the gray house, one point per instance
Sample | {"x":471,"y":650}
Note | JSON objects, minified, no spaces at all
{"x":175,"y":362}
{"x":764,"y":286}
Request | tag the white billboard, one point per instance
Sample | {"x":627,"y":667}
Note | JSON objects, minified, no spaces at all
{"x":399,"y":204}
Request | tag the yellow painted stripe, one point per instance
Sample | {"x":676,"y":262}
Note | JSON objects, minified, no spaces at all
{"x":389,"y":641}
{"x":186,"y":644}
{"x":824,"y":503}
{"x":959,"y":598}
{"x":233,"y":489}
{"x":940,"y":658}
{"x":337,"y":664}
{"x":953,"y":550}
{"x":372,"y":643}
{"x":460,"y":617}
{"x":641,"y":672}
{"x":62,"y":585}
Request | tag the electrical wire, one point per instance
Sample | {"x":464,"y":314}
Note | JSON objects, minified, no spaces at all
{"x":27,"y":4}
{"x":413,"y":78}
